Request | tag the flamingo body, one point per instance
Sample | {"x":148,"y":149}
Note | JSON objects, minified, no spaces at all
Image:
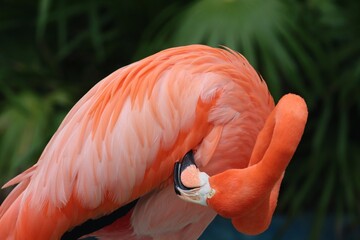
{"x":121,"y":140}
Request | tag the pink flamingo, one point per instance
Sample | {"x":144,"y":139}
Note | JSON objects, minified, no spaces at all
{"x":109,"y":168}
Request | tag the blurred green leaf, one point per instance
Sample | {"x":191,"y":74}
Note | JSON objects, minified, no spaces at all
{"x":44,"y":6}
{"x":25,"y":127}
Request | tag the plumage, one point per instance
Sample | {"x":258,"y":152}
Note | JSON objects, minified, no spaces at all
{"x":121,"y":140}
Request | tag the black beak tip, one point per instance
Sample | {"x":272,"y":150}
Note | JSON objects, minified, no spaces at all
{"x":177,"y":180}
{"x":187,"y":160}
{"x":179,"y":167}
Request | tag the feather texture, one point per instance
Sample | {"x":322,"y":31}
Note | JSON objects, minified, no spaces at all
{"x":120,"y":141}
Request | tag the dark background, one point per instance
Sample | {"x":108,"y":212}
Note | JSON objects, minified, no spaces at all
{"x":52,"y":52}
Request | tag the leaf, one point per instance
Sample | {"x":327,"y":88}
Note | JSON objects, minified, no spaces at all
{"x":95,"y":30}
{"x":44,"y":6}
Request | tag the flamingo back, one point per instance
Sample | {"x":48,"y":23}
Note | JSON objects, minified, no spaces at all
{"x":120,"y":141}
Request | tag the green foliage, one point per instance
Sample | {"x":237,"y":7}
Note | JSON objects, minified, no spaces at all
{"x":25,"y":122}
{"x":329,"y":154}
{"x":54,"y":51}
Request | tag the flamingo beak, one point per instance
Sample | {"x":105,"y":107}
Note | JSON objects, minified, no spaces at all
{"x":189,"y":183}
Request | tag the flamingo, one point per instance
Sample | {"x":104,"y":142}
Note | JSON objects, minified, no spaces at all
{"x":156,"y":149}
